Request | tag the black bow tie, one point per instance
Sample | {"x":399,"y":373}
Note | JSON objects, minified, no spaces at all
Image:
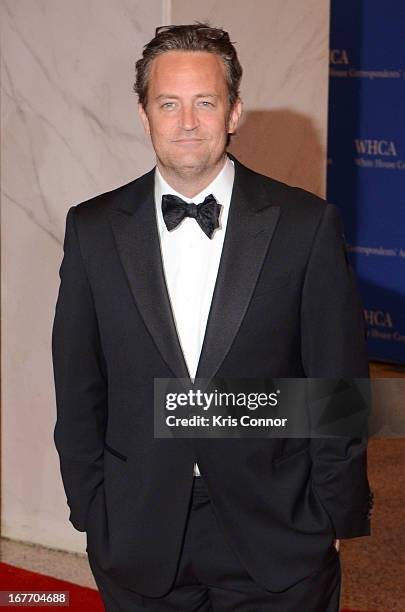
{"x":206,"y":214}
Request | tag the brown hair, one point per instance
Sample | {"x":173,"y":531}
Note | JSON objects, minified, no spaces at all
{"x":195,"y":37}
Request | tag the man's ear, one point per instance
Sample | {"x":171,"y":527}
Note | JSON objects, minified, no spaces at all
{"x":234,"y":116}
{"x":144,"y":118}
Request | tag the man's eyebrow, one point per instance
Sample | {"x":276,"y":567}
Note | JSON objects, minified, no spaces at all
{"x":165,"y":96}
{"x":174,"y":97}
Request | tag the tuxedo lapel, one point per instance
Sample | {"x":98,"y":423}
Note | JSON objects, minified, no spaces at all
{"x":251,"y":223}
{"x":134,"y":226}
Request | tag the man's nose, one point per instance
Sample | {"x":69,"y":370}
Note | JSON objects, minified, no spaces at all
{"x":188,"y":118}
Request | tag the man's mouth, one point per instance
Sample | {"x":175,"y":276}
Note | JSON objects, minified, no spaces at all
{"x":188,"y":140}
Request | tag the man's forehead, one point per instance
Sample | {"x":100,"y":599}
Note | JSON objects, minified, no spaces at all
{"x":188,"y":62}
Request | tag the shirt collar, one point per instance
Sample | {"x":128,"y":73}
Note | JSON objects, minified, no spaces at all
{"x":220,"y":187}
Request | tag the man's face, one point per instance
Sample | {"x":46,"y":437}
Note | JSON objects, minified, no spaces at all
{"x":187,"y":114}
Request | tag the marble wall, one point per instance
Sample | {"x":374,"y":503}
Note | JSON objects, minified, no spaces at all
{"x":70,"y":130}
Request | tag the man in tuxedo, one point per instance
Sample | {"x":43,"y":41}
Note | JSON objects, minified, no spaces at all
{"x":204,"y":268}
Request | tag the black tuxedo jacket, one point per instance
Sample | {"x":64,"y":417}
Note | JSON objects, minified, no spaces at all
{"x":285,"y":305}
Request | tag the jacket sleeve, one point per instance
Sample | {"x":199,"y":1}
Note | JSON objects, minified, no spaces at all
{"x":80,"y":382}
{"x":333,"y":346}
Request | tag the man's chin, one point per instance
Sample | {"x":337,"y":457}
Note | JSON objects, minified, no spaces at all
{"x":189,"y":164}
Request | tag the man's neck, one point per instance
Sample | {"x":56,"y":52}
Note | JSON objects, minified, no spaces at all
{"x":189,"y":184}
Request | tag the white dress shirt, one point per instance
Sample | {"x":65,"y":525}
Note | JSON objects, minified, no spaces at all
{"x":191,"y":262}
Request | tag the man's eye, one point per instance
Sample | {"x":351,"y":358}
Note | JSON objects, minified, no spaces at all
{"x":168,"y":105}
{"x":206,"y":103}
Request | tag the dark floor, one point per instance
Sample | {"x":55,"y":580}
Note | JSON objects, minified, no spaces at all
{"x":374,"y":567}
